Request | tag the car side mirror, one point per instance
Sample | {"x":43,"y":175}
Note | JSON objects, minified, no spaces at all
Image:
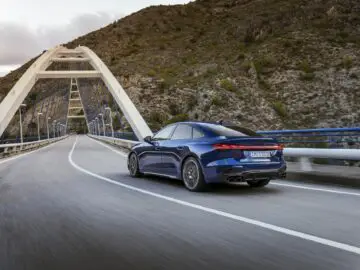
{"x":148,"y":139}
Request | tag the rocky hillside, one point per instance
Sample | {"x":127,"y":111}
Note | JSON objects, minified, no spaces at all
{"x":265,"y":64}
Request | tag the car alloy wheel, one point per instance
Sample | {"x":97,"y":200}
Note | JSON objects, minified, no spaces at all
{"x":133,"y":165}
{"x":192,"y":175}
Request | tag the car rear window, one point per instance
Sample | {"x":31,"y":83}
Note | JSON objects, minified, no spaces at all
{"x":220,"y":130}
{"x":246,"y":131}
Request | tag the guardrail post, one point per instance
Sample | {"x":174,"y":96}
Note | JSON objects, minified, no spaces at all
{"x":305,"y":164}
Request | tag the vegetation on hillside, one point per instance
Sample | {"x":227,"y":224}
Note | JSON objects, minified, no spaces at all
{"x":263,"y":64}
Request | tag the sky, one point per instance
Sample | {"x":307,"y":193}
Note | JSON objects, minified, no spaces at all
{"x":27,"y":27}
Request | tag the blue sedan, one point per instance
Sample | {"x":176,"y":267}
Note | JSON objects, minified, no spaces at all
{"x":200,"y":153}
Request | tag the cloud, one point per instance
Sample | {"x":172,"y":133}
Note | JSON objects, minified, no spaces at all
{"x":5,"y":69}
{"x":19,"y":43}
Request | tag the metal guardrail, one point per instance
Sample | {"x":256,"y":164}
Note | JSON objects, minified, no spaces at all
{"x":10,"y":148}
{"x":25,"y":139}
{"x":313,"y":130}
{"x":306,"y":154}
{"x":115,"y":141}
{"x":326,"y":137}
{"x":346,"y":154}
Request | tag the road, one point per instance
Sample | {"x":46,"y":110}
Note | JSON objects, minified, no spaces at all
{"x":72,"y":205}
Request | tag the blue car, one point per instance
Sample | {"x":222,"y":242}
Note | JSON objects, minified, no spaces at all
{"x":200,"y":153}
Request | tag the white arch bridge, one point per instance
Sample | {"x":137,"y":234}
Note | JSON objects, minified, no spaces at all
{"x":72,"y":205}
{"x":38,"y":70}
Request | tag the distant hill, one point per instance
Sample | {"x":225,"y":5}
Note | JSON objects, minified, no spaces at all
{"x":264,"y":64}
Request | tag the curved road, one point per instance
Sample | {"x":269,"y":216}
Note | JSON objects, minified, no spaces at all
{"x":72,"y":205}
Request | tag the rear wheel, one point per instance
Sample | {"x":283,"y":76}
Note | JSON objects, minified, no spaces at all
{"x":192,"y":175}
{"x":258,"y":183}
{"x":133,"y":166}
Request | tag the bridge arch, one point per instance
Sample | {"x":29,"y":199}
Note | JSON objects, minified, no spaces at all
{"x":38,"y":70}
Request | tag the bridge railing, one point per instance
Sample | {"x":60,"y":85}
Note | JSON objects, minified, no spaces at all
{"x":317,"y":138}
{"x":26,"y":139}
{"x":115,"y":141}
{"x":331,"y":146}
{"x":13,"y":148}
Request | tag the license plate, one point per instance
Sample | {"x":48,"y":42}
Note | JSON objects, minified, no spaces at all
{"x":260,"y":154}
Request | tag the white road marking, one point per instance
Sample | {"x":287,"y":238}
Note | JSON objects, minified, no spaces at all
{"x":271,"y":183}
{"x":109,"y":147}
{"x":309,"y":237}
{"x":317,"y":189}
{"x":2,"y":161}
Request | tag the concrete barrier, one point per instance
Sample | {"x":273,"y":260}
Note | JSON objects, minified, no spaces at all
{"x":14,"y":148}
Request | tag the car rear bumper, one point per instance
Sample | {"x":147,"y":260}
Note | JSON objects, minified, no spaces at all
{"x":238,"y":174}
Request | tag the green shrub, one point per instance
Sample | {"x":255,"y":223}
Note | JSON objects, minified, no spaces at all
{"x":218,"y":101}
{"x":241,"y":56}
{"x":305,"y":67}
{"x":227,"y":85}
{"x":192,"y":102}
{"x":280,"y":108}
{"x":320,"y":145}
{"x":33,"y":96}
{"x":307,"y":76}
{"x":178,"y":118}
{"x":151,"y":73}
{"x":156,"y":117}
{"x":246,"y":65}
{"x":207,"y":108}
{"x":210,"y":72}
{"x":264,"y":84}
{"x":167,"y":82}
{"x":347,"y":62}
{"x":174,"y":109}
{"x":262,"y":63}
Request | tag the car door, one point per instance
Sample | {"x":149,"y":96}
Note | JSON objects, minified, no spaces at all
{"x":173,"y":150}
{"x":150,"y":160}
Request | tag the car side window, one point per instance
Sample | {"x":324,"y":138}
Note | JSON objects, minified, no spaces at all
{"x":182,"y":132}
{"x":197,"y":134}
{"x":164,"y":134}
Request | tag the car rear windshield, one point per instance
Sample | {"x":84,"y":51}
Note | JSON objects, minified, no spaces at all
{"x":220,"y":130}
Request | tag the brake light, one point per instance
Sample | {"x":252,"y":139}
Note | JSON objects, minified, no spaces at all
{"x":221,"y":146}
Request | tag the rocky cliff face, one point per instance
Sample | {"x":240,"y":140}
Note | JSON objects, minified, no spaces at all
{"x":264,"y":64}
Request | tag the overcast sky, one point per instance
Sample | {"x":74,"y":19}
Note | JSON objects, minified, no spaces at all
{"x":27,"y":27}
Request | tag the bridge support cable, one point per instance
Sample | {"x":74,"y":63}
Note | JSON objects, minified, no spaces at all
{"x":11,"y":103}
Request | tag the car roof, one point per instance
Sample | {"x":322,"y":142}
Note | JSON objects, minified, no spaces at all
{"x":198,"y":123}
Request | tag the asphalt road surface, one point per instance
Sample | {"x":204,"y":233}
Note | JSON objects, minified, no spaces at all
{"x":72,"y":205}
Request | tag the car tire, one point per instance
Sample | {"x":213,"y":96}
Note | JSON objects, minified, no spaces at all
{"x":133,"y":165}
{"x":192,"y":175}
{"x":258,"y":183}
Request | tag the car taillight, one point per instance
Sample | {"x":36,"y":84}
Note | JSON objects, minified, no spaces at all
{"x":221,"y":146}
